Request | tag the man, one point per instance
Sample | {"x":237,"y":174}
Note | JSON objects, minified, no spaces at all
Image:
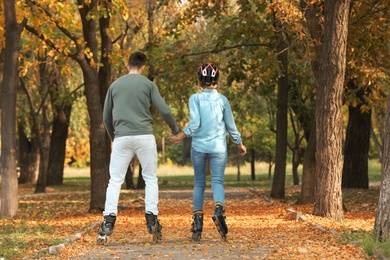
{"x":128,"y":122}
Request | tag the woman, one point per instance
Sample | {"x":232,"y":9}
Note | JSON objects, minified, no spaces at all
{"x":210,"y":117}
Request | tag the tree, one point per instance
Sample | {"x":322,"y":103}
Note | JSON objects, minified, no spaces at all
{"x":357,"y":141}
{"x":40,"y":115}
{"x":61,"y":102}
{"x":9,"y":180}
{"x":278,"y":184}
{"x":313,"y":14}
{"x":366,"y":60}
{"x":328,"y":201}
{"x":382,"y":219}
{"x":28,"y":156}
{"x":95,"y":21}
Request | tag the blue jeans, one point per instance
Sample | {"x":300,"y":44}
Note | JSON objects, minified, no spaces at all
{"x":217,"y":165}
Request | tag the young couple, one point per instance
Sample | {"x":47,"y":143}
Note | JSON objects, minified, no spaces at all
{"x":128,"y":122}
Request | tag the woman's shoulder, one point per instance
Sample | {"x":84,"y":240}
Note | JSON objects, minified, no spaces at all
{"x":195,"y":95}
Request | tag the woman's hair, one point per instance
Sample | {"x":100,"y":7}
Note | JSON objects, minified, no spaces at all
{"x":202,"y":86}
{"x":137,"y":60}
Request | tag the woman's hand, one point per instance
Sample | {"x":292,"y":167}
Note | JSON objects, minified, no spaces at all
{"x":176,"y":139}
{"x":242,"y":149}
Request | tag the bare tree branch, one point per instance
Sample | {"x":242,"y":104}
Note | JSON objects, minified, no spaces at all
{"x":225,"y":49}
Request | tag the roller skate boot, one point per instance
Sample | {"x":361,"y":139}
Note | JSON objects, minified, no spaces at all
{"x":219,"y":220}
{"x":197,"y":225}
{"x":154,"y":227}
{"x":106,"y":229}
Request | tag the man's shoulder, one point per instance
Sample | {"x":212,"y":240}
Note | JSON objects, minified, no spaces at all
{"x":132,"y":79}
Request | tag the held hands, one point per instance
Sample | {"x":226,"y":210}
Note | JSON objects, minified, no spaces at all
{"x":242,"y":149}
{"x":176,"y":139}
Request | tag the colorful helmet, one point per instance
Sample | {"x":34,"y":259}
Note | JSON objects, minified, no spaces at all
{"x":208,"y":74}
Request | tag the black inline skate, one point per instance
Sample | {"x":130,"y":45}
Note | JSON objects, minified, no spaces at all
{"x":219,"y":220}
{"x":197,"y":225}
{"x":154,"y":227}
{"x":106,"y":229}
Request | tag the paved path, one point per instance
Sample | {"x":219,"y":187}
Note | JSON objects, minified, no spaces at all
{"x":172,"y":247}
{"x":180,"y":250}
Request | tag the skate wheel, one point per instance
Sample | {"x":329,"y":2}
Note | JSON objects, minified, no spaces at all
{"x":102,"y":240}
{"x":219,"y":227}
{"x":157,"y":237}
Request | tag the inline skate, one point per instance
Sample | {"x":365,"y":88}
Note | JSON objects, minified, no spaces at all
{"x":153,"y":226}
{"x":106,"y":229}
{"x":219,"y":220}
{"x":197,"y":226}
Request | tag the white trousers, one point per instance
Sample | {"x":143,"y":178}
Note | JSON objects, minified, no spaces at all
{"x":123,"y":150}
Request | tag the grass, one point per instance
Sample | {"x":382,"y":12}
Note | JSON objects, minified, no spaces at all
{"x":175,"y":177}
{"x":18,"y":236}
{"x":182,"y":176}
{"x":368,"y":241}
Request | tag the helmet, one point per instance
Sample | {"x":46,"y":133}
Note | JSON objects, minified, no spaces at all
{"x":208,"y":74}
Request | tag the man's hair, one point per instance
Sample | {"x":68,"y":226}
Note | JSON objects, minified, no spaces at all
{"x":137,"y":60}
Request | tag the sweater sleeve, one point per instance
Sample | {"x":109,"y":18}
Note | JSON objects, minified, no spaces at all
{"x":107,"y":115}
{"x":163,"y":109}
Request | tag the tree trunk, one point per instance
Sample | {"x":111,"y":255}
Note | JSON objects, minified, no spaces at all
{"x":129,"y":178}
{"x":28,"y":157}
{"x":357,"y":143}
{"x":378,"y":146}
{"x":314,"y":16}
{"x":97,"y":82}
{"x":238,"y":165}
{"x":141,"y":181}
{"x":186,"y":151}
{"x":9,"y":177}
{"x":328,"y":201}
{"x":60,"y":127}
{"x":297,"y":151}
{"x":208,"y":168}
{"x":295,"y":164}
{"x":278,"y":183}
{"x":42,"y":127}
{"x":55,"y":173}
{"x":99,"y":147}
{"x":309,"y":170}
{"x":253,"y":161}
{"x":163,"y":150}
{"x":270,"y":164}
{"x":382,"y":219}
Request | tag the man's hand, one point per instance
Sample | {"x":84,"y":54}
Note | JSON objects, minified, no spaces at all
{"x":176,"y":139}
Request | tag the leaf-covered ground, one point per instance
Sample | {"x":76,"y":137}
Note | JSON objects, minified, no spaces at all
{"x":259,"y":227}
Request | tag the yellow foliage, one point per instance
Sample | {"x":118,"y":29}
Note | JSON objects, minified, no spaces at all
{"x":77,"y":150}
